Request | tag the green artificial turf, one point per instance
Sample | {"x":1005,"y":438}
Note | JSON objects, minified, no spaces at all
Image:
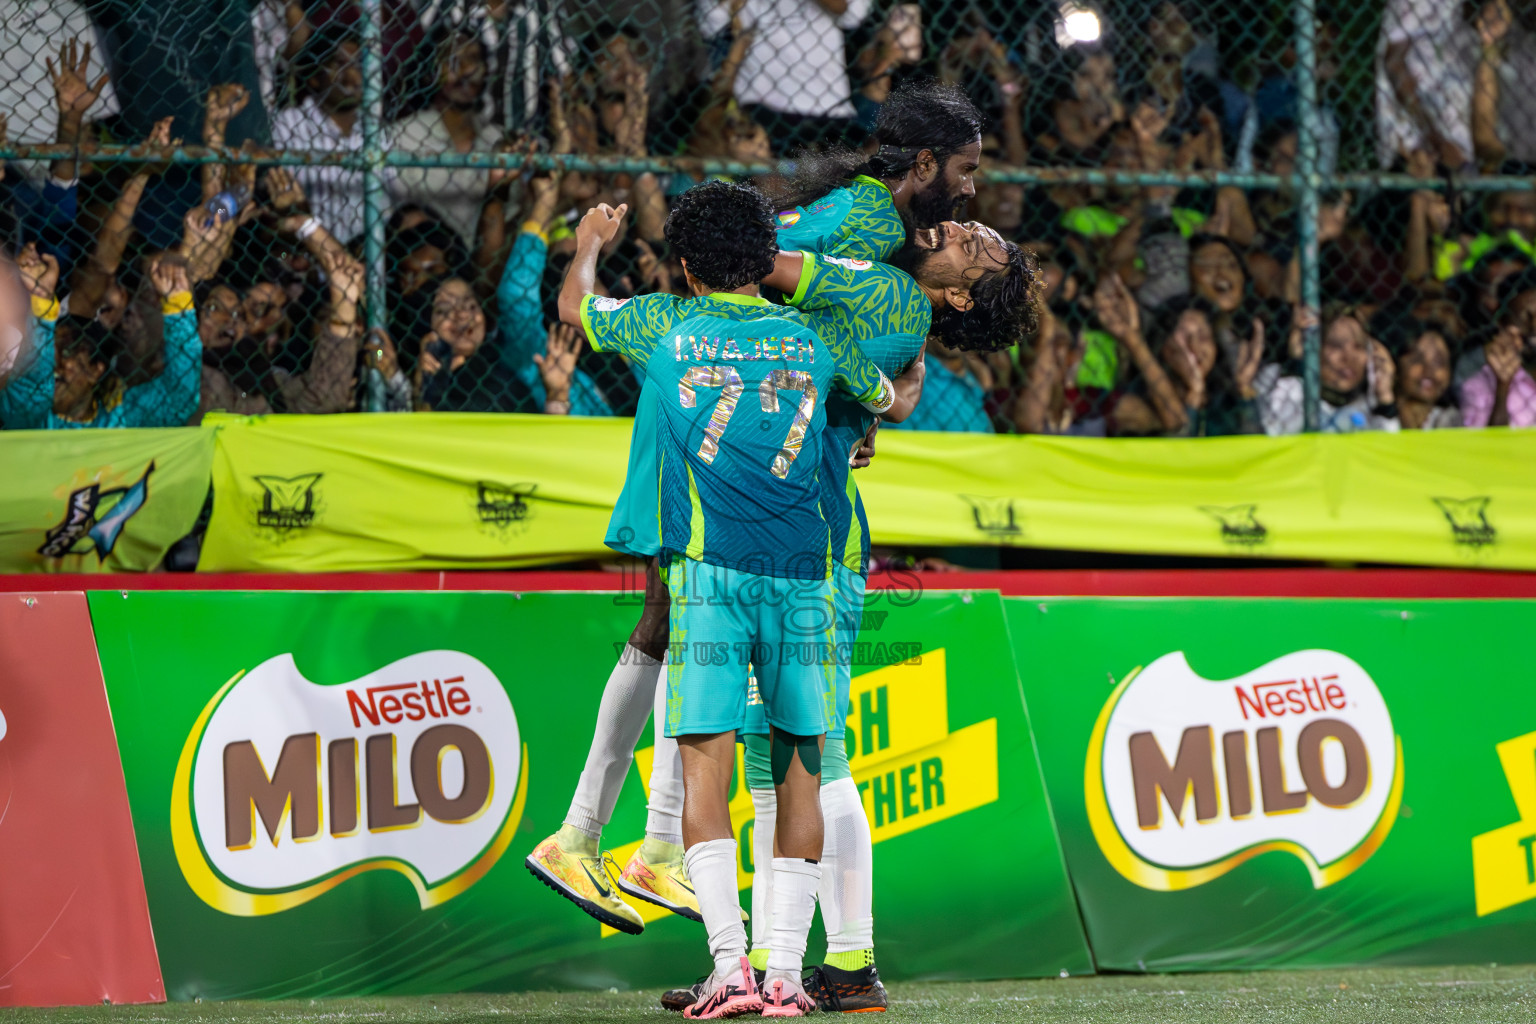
{"x":1366,"y":996}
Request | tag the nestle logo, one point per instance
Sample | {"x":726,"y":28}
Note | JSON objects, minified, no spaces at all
{"x":397,"y":702}
{"x":1291,"y":697}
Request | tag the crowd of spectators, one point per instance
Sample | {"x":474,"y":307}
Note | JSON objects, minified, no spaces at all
{"x":1172,"y":311}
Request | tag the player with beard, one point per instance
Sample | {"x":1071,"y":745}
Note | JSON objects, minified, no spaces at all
{"x":844,"y":203}
{"x":982,"y":294}
{"x":930,"y":143}
{"x":969,"y":287}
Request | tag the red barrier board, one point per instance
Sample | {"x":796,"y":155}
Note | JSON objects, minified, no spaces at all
{"x":74,"y":922}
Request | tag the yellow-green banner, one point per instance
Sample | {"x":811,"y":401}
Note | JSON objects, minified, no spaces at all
{"x":363,"y":492}
{"x":1464,"y":498}
{"x":424,"y":491}
{"x":98,"y":500}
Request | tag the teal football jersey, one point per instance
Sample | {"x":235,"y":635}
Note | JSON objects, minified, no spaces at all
{"x":743,"y":386}
{"x":632,"y":327}
{"x":859,"y":221}
{"x":886,"y":315}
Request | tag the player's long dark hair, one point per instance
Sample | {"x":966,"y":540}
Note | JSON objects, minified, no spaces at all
{"x":725,"y":234}
{"x":917,"y":116}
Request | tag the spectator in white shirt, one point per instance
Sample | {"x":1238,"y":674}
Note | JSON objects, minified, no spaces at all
{"x":1424,"y":63}
{"x":32,"y":28}
{"x":526,"y":46}
{"x":794,"y":77}
{"x":330,"y":70}
{"x":452,"y":123}
{"x":1503,"y":120}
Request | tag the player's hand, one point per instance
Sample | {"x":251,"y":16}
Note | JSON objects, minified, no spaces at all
{"x":600,"y":225}
{"x":866,"y":449}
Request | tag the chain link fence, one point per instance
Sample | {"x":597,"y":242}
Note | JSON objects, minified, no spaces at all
{"x":1261,"y":216}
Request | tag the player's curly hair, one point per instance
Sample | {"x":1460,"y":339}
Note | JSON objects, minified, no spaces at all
{"x":1005,"y":307}
{"x":725,"y":233}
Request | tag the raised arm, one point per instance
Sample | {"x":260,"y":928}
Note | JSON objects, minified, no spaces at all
{"x":90,"y":277}
{"x":326,"y":387}
{"x":73,"y":95}
{"x":1117,"y":312}
{"x":1493,"y":20}
{"x":223,"y":103}
{"x":596,"y":230}
{"x":519,"y":305}
{"x":170,"y":398}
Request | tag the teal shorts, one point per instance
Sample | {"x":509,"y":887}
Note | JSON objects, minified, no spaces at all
{"x":834,"y":762}
{"x":848,"y":601}
{"x":730,"y":627}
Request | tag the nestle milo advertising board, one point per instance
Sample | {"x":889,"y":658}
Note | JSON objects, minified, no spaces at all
{"x":334,"y":793}
{"x":1243,"y":783}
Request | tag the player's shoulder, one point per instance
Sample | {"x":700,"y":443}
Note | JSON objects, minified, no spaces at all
{"x":651,"y":302}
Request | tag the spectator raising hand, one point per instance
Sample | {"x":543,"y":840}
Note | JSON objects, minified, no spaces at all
{"x":1250,"y":358}
{"x":39,"y":272}
{"x":557,"y":365}
{"x":223,"y":103}
{"x":169,"y":275}
{"x":73,"y":94}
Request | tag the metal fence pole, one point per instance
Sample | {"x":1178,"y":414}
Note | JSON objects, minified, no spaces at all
{"x":374,"y":200}
{"x":1307,"y":201}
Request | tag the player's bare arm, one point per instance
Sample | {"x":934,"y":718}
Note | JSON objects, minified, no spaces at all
{"x":599,"y":227}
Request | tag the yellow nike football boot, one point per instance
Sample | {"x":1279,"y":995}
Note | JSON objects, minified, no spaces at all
{"x":656,"y":874}
{"x":569,"y":863}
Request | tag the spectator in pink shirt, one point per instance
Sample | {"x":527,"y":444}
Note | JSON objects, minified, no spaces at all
{"x":1503,"y":392}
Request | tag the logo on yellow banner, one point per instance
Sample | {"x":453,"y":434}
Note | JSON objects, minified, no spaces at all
{"x":1504,"y":860}
{"x":1187,"y":778}
{"x":911,"y":770}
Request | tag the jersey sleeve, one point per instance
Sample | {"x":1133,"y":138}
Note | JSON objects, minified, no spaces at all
{"x":630,"y":327}
{"x":855,"y":372}
{"x":831,"y":282}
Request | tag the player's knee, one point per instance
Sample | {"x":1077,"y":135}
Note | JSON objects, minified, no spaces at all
{"x":784,"y":747}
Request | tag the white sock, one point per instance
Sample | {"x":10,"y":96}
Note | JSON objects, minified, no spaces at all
{"x":664,"y":820}
{"x":621,"y":719}
{"x":767,"y":807}
{"x":847,"y":869}
{"x":712,"y":870}
{"x":794,"y":903}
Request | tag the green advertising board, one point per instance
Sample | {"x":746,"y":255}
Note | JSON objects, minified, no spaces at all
{"x":1267,"y":783}
{"x":333,"y":793}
